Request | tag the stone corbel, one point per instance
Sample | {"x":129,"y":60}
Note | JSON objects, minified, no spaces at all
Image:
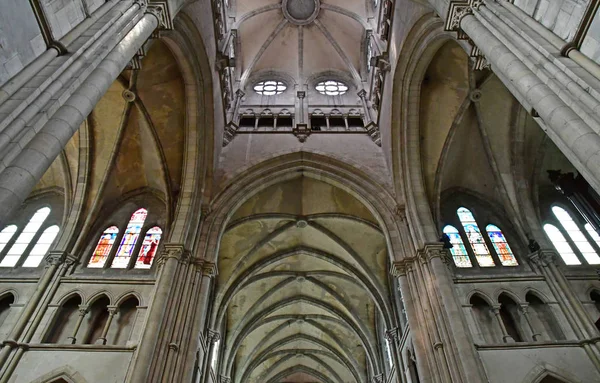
{"x":301,"y":131}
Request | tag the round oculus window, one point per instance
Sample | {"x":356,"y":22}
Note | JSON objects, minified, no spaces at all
{"x":270,"y":88}
{"x":331,"y":88}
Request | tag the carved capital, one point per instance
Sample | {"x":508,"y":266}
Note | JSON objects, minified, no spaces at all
{"x":434,"y":250}
{"x":173,"y":251}
{"x":209,"y":269}
{"x":224,"y":379}
{"x":362,"y":93}
{"x":212,"y":336}
{"x":543,"y":258}
{"x":393,"y":335}
{"x":83,"y":309}
{"x":457,"y":10}
{"x":378,"y":378}
{"x":160,"y":9}
{"x":401,"y":268}
{"x":58,"y":257}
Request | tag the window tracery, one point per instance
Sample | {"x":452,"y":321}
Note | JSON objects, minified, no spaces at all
{"x":479,"y":245}
{"x":570,"y":240}
{"x":270,"y":88}
{"x":22,"y":244}
{"x":331,"y":88}
{"x":482,"y":254}
{"x":104,"y":254}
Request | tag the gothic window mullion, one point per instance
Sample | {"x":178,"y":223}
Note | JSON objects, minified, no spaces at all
{"x":565,"y":233}
{"x":490,"y":246}
{"x":32,"y":243}
{"x":138,"y":246}
{"x":12,"y":240}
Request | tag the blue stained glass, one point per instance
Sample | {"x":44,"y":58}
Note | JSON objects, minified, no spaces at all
{"x":482,"y":254}
{"x":130,"y":237}
{"x":501,"y":246}
{"x":458,"y":250}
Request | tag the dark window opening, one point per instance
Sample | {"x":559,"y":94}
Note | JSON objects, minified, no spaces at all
{"x":247,"y":122}
{"x":318,"y":123}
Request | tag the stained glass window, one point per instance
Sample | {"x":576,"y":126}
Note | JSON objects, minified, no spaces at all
{"x":18,"y":248}
{"x":593,"y":233}
{"x":105,"y":244}
{"x":6,"y":235}
{"x":331,"y":88}
{"x":148,"y":250}
{"x":482,"y":254}
{"x":130,"y":237}
{"x":270,"y":88}
{"x":576,"y":235}
{"x":41,"y":247}
{"x":458,"y":250}
{"x":562,"y":246}
{"x":502,"y":248}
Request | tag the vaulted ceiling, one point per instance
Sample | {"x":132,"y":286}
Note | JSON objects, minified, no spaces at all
{"x":302,"y":287}
{"x":301,"y":38}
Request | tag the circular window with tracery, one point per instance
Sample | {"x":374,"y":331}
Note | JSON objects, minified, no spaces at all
{"x":331,"y":88}
{"x":270,"y":88}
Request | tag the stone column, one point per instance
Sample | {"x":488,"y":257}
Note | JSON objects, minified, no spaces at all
{"x":393,"y":338}
{"x":168,"y":262}
{"x":400,"y":270}
{"x":453,"y":319}
{"x":83,"y":310}
{"x":112,"y":311}
{"x":27,"y":168}
{"x":567,"y":123}
{"x":525,"y":310}
{"x":544,"y":262}
{"x":212,"y":337}
{"x":506,"y":338}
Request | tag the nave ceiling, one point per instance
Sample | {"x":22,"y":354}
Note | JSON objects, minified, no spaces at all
{"x":302,"y":288}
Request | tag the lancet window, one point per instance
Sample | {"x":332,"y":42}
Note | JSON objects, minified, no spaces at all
{"x":575,"y":242}
{"x":499,"y":253}
{"x":106,"y":254}
{"x":26,"y":246}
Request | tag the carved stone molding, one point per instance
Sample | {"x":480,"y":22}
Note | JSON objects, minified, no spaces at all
{"x":457,"y":10}
{"x":393,"y":335}
{"x":58,"y":257}
{"x":173,"y":250}
{"x":434,"y":250}
{"x":543,"y":258}
{"x":212,"y":336}
{"x":162,"y":12}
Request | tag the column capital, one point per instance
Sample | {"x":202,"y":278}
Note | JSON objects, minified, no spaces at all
{"x":393,"y":335}
{"x":175,"y":251}
{"x":377,"y":378}
{"x":224,"y":379}
{"x":362,"y":93}
{"x":212,"y":336}
{"x":160,"y":9}
{"x":543,"y":257}
{"x":456,"y":11}
{"x":433,"y":250}
{"x":402,"y":267}
{"x":83,"y":309}
{"x":209,"y":269}
{"x":58,"y":257}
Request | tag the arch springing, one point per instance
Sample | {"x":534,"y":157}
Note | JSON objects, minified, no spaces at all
{"x":105,"y":244}
{"x":130,"y":237}
{"x":458,"y":250}
{"x":507,"y":258}
{"x":482,"y":253}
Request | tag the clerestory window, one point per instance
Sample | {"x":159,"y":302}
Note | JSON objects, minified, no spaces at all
{"x":499,"y":253}
{"x":27,"y":247}
{"x":575,"y":242}
{"x":106,"y":255}
{"x":331,"y":88}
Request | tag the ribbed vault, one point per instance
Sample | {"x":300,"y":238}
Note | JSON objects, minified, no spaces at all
{"x":302,"y":292}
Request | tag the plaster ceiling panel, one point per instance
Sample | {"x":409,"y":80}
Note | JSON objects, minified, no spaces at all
{"x":245,"y":6}
{"x":128,"y":173}
{"x":358,"y":7}
{"x":444,"y":90}
{"x":319,"y":54}
{"x":254,"y":32}
{"x":154,"y":167}
{"x":282,"y":53}
{"x":347,"y":33}
{"x":106,"y":121}
{"x":240,"y":240}
{"x":161,"y":89}
{"x":467,"y":147}
{"x":303,"y":263}
{"x":497,"y":110}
